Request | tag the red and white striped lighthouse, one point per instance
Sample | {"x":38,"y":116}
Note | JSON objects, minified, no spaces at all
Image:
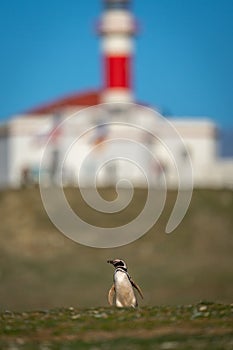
{"x":117,"y":28}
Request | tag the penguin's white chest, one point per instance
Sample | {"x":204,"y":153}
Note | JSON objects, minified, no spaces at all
{"x":125,"y":296}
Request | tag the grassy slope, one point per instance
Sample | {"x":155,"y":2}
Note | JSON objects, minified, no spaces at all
{"x":201,"y":326}
{"x":40,"y":268}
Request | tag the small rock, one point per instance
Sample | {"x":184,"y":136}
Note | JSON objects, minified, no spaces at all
{"x":101,"y":315}
{"x":75,"y":317}
{"x":203,"y":308}
{"x":196,"y":314}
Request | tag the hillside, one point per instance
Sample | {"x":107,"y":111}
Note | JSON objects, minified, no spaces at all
{"x":41,"y":268}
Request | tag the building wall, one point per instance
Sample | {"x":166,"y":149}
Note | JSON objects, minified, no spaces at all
{"x":22,"y":149}
{"x":4,"y":160}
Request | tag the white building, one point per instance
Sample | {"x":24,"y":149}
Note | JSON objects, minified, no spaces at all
{"x":84,"y":139}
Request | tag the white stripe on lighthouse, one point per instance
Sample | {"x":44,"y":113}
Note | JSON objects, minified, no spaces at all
{"x":119,"y":44}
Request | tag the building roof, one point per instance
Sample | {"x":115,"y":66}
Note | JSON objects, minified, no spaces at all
{"x":87,"y":99}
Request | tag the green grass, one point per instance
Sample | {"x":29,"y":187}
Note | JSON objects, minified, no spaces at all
{"x":204,"y":325}
{"x":40,"y":269}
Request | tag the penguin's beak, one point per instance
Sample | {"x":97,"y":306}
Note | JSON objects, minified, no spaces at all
{"x":110,"y":261}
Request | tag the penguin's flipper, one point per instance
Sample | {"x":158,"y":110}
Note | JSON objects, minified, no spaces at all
{"x":111,"y":295}
{"x":136,"y":286}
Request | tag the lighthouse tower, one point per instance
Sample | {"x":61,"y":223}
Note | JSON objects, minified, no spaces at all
{"x":117,"y":27}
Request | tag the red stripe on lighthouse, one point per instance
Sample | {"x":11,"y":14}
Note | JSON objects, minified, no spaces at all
{"x":117,"y":72}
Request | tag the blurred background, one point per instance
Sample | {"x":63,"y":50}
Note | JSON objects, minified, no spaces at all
{"x":41,"y":268}
{"x":58,"y":58}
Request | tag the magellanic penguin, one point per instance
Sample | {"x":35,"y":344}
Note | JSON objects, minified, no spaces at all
{"x":122,"y":292}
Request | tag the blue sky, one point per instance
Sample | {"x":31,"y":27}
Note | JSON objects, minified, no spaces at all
{"x":183,"y":59}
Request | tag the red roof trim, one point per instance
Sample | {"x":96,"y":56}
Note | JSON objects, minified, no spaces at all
{"x":89,"y":98}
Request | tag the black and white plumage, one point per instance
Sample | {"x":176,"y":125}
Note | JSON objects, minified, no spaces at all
{"x":122,"y":291}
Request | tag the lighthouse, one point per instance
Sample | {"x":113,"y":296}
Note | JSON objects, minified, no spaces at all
{"x":117,"y":28}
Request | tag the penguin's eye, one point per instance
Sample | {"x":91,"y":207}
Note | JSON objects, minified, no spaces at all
{"x":120,"y":263}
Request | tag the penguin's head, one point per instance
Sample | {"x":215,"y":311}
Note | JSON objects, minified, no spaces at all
{"x":118,"y":263}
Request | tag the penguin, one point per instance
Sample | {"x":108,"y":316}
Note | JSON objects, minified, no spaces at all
{"x":122,"y":289}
